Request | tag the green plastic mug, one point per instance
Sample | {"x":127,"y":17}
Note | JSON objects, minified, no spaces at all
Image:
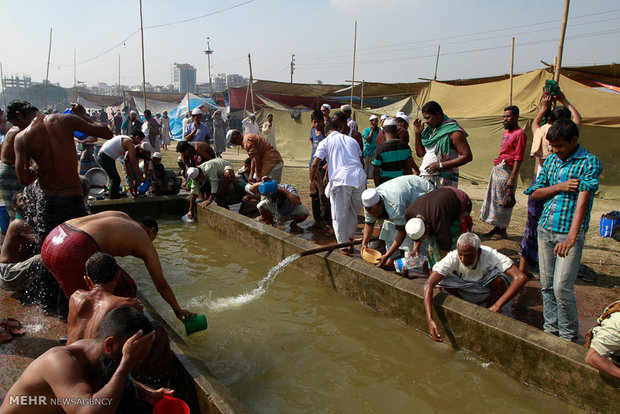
{"x":195,"y":323}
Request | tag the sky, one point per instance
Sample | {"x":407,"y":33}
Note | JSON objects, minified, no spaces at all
{"x":397,"y":40}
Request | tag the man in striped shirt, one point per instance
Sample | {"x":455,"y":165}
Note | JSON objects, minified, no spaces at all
{"x":567,"y":182}
{"x":393,"y":157}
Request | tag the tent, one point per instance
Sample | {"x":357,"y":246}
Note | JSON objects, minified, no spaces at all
{"x":178,"y":113}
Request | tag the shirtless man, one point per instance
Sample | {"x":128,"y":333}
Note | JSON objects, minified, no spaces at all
{"x":18,"y":267}
{"x":67,"y":248}
{"x":92,"y":370}
{"x":88,"y":308}
{"x":9,"y":184}
{"x":48,"y":141}
{"x":190,"y":151}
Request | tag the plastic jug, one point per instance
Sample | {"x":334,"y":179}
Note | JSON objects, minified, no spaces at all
{"x":195,"y":323}
{"x":415,"y":262}
{"x":144,"y":187}
{"x":268,"y":187}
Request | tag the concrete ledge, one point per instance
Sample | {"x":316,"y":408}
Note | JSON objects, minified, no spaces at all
{"x":529,"y":354}
{"x":144,"y":206}
{"x":195,"y":383}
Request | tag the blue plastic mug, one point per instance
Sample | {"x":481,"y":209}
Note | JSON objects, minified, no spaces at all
{"x":268,"y":187}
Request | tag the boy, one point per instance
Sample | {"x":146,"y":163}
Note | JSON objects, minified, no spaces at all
{"x":567,"y":182}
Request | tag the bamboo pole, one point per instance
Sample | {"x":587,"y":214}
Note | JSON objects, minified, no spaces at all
{"x":436,"y":62}
{"x":143,"y":70}
{"x":512,"y":64}
{"x":251,"y":81}
{"x":47,"y":74}
{"x":354,"y":51}
{"x":362,"y":100}
{"x":558,"y":65}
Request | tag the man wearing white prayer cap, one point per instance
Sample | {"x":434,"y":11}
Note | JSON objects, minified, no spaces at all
{"x":388,"y":202}
{"x":326,"y":108}
{"x":350,"y":121}
{"x":250,"y":126}
{"x":196,"y":131}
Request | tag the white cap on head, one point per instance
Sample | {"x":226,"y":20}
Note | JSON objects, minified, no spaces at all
{"x":415,"y":228}
{"x":229,"y":135}
{"x":192,"y":173}
{"x":373,"y":117}
{"x":403,"y":117}
{"x":253,"y":114}
{"x":328,"y":106}
{"x":196,"y":111}
{"x":399,"y":113}
{"x":384,"y":117}
{"x":146,"y":146}
{"x":157,"y":155}
{"x":133,"y":112}
{"x":370,"y":197}
{"x":389,"y":121}
{"x":345,"y":107}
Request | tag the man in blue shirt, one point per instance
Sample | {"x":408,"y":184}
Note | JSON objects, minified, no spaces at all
{"x":196,"y":131}
{"x":567,"y":182}
{"x":370,"y":143}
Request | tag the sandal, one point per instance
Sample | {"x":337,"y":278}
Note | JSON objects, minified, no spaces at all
{"x":13,"y":326}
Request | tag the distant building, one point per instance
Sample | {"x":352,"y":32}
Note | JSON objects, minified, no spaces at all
{"x":182,"y":74}
{"x":235,"y":81}
{"x":17,"y":82}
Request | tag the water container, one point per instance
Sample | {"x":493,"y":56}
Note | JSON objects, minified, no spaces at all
{"x":144,"y":187}
{"x":415,"y":262}
{"x":77,"y":134}
{"x":268,"y":187}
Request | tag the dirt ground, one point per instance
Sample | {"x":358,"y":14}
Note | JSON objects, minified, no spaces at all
{"x":600,"y":254}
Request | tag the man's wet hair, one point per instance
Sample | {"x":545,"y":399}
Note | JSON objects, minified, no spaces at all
{"x":182,"y":146}
{"x":248,"y":161}
{"x":147,"y":112}
{"x":432,"y":108}
{"x":513,"y":108}
{"x":560,"y":112}
{"x":14,"y":198}
{"x":159,"y":167}
{"x":101,"y":268}
{"x":20,"y":106}
{"x":149,"y":222}
{"x":122,"y":323}
{"x":341,"y":116}
{"x":330,"y":127}
{"x":137,"y":133}
{"x":316,"y":115}
{"x":563,"y":129}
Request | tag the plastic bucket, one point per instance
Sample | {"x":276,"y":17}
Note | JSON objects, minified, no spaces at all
{"x":4,"y":219}
{"x":170,"y":405}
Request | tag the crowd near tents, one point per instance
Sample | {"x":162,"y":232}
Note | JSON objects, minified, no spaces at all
{"x":477,"y":104}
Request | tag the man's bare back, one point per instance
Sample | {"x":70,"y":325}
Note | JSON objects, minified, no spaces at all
{"x":8,"y":152}
{"x":88,"y":308}
{"x":18,"y":243}
{"x":48,"y":141}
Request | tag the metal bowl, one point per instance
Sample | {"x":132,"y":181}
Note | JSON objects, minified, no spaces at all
{"x":98,"y":179}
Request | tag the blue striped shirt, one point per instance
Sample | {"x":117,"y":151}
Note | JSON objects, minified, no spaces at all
{"x":558,"y":212}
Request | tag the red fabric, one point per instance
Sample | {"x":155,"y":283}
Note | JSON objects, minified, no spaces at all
{"x":65,"y":252}
{"x":512,"y":148}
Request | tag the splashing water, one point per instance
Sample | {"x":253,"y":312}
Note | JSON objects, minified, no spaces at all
{"x":236,"y":301}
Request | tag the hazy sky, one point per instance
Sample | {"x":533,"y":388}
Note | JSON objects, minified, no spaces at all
{"x":396,"y":39}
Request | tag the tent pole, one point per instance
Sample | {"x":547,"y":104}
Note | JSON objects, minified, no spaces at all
{"x":251,"y":81}
{"x":556,"y":76}
{"x":143,"y":70}
{"x":512,"y":64}
{"x":47,"y":74}
{"x":187,"y":83}
{"x":436,"y":63}
{"x":362,"y":101}
{"x":354,"y":50}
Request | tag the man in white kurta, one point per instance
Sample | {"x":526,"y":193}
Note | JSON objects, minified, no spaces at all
{"x":347,"y":180}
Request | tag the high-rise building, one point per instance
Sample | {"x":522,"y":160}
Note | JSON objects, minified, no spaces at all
{"x":17,"y":82}
{"x":182,"y":75}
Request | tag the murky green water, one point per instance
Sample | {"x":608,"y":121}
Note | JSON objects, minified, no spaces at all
{"x":301,"y":348}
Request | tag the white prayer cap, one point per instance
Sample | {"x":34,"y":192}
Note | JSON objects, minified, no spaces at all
{"x":389,"y":121}
{"x":328,"y":106}
{"x":157,"y":155}
{"x":146,"y":146}
{"x":196,"y":111}
{"x":370,"y":197}
{"x":345,"y":108}
{"x":373,"y":117}
{"x":399,"y":113}
{"x":384,"y":117}
{"x":192,"y":173}
{"x":415,"y":228}
{"x":229,"y":167}
{"x":229,"y":135}
{"x":403,"y":117}
{"x":253,"y":114}
{"x":133,"y":112}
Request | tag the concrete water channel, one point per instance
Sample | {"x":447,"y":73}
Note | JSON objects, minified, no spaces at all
{"x":304,"y":346}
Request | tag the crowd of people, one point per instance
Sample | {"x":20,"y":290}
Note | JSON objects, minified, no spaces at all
{"x":58,"y":254}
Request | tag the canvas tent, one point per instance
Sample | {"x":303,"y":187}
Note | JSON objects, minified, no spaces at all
{"x":478,"y":107}
{"x":178,"y":113}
